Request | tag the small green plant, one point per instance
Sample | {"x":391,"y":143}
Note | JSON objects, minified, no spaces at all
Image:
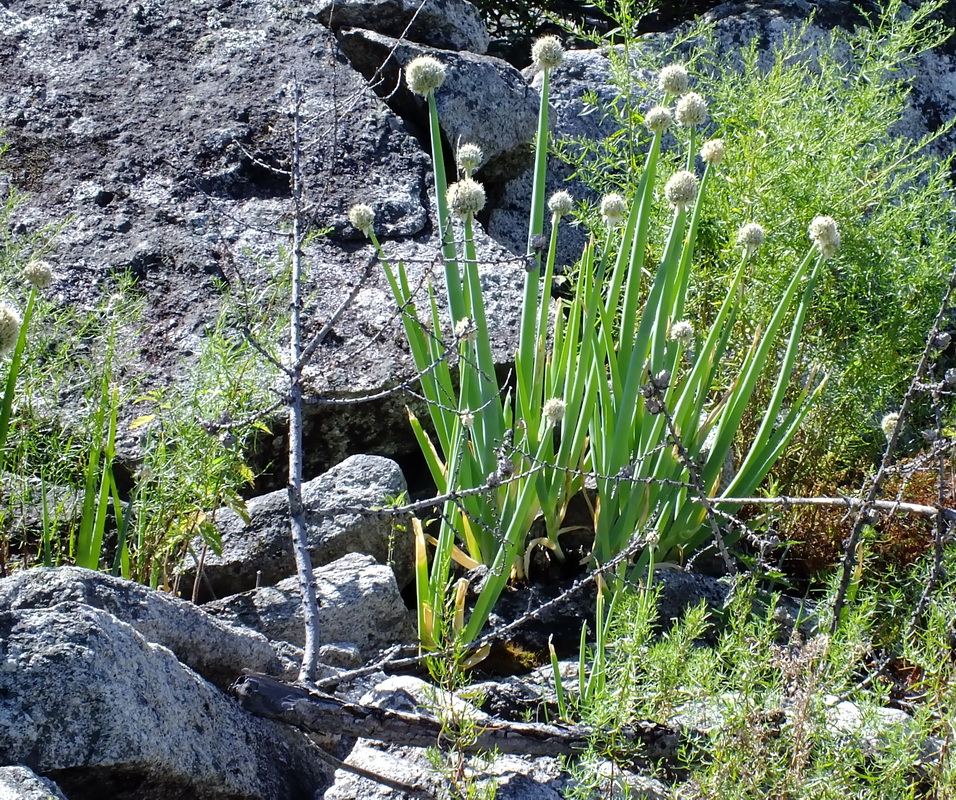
{"x":780,"y":713}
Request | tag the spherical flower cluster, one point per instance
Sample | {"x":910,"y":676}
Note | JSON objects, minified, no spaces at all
{"x":824,"y":234}
{"x":10,"y":322}
{"x":547,"y":52}
{"x":424,"y":75}
{"x":673,"y":79}
{"x":469,"y":158}
{"x":560,"y":204}
{"x":750,"y":237}
{"x":465,"y":330}
{"x":682,"y":332}
{"x":466,"y":198}
{"x":613,"y":208}
{"x":691,"y":110}
{"x":554,"y":410}
{"x":681,"y":190}
{"x":713,"y":151}
{"x":658,"y":119}
{"x":362,"y":217}
{"x":889,"y":423}
{"x":467,"y":418}
{"x":38,"y":274}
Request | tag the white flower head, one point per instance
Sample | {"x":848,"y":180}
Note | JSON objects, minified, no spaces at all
{"x":466,"y":198}
{"x":825,"y":235}
{"x":10,"y":322}
{"x":691,"y":110}
{"x":560,"y":204}
{"x":713,"y":151}
{"x":613,"y":209}
{"x":673,"y":79}
{"x":554,"y":410}
{"x":465,"y":330}
{"x":467,"y":418}
{"x":470,"y":158}
{"x":547,"y":52}
{"x":38,"y":274}
{"x":889,"y":423}
{"x":658,"y":119}
{"x":750,"y":237}
{"x":681,"y":190}
{"x":682,"y":332}
{"x":424,"y":75}
{"x":362,"y":217}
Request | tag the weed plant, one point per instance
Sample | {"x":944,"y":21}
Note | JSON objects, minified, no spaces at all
{"x":813,"y":128}
{"x":67,"y":414}
{"x":783,"y":713}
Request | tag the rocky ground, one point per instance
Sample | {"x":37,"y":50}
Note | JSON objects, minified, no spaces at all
{"x":152,"y":127}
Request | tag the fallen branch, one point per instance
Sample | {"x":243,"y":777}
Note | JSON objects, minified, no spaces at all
{"x":641,"y":743}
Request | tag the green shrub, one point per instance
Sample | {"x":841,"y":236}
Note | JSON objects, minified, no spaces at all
{"x":811,"y":133}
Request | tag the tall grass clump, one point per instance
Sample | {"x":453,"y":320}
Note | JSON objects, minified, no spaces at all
{"x":617,"y":381}
{"x":820,"y":124}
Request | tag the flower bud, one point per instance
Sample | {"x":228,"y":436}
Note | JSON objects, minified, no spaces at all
{"x":466,"y":198}
{"x":362,"y":217}
{"x":889,"y":423}
{"x":658,"y":119}
{"x":424,"y":75}
{"x":470,"y":158}
{"x":681,"y":190}
{"x":713,"y":151}
{"x":547,"y":52}
{"x":561,"y":204}
{"x":682,"y":332}
{"x":465,"y":330}
{"x":691,"y":110}
{"x":824,"y":234}
{"x":613,"y":209}
{"x":554,"y":410}
{"x":750,"y":237}
{"x":10,"y":322}
{"x":38,"y":274}
{"x":673,"y":79}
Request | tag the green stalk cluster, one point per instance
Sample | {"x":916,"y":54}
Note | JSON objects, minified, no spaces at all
{"x":605,"y":384}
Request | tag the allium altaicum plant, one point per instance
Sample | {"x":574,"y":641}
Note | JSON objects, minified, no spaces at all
{"x":612,"y":382}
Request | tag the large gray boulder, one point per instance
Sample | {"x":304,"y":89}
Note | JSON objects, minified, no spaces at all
{"x":158,"y":147}
{"x":260,"y":553}
{"x":359,"y":605}
{"x":157,"y":152}
{"x":90,"y":703}
{"x":446,"y":24}
{"x":216,"y":650}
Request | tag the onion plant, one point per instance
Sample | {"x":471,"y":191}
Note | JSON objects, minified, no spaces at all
{"x":616,"y":379}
